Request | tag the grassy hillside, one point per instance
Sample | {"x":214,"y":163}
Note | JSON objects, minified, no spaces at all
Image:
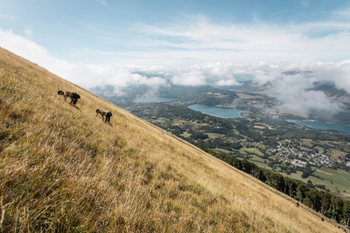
{"x":63,"y":170}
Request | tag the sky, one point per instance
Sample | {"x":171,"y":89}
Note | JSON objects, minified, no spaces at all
{"x":157,"y":42}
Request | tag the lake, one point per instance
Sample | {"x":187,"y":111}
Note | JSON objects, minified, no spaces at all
{"x":218,"y":112}
{"x":154,"y":100}
{"x":323,"y":125}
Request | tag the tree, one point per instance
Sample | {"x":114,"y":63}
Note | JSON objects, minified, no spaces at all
{"x":346,"y":211}
{"x":337,"y":205}
{"x":326,"y":203}
{"x":290,"y":187}
{"x":275,"y":180}
{"x":310,"y":184}
{"x":320,"y":186}
{"x":305,"y":174}
{"x":236,"y":145}
{"x":301,"y":191}
{"x":314,"y":199}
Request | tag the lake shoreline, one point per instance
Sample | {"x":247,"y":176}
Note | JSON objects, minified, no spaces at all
{"x":217,"y":112}
{"x":324,"y":126}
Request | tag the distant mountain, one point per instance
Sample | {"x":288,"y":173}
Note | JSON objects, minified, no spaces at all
{"x":330,"y":89}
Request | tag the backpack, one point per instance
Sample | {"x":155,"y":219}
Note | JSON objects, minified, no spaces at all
{"x":76,"y":96}
{"x":109,"y":114}
{"x":69,"y":94}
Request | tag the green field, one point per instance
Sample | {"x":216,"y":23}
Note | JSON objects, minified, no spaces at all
{"x":214,"y":135}
{"x":340,"y":179}
{"x":221,"y":150}
{"x":254,"y":150}
{"x":307,"y":142}
{"x":259,"y":162}
{"x":185,"y":134}
{"x":320,"y":149}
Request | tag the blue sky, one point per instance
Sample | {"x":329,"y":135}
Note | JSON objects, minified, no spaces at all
{"x":156,"y":32}
{"x":160,"y":42}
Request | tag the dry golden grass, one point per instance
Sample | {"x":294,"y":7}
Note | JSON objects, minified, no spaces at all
{"x":63,"y":170}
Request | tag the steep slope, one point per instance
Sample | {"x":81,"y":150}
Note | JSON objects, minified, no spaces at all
{"x":63,"y":170}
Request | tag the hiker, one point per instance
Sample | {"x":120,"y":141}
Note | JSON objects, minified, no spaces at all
{"x":73,"y":97}
{"x":297,"y":204}
{"x":108,"y":118}
{"x":322,"y":219}
{"x":104,"y":114}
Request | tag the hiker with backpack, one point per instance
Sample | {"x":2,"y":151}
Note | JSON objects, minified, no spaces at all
{"x":104,"y":114}
{"x":73,"y":97}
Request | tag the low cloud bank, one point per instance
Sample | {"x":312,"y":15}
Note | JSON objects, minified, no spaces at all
{"x":293,"y":91}
{"x":294,"y":87}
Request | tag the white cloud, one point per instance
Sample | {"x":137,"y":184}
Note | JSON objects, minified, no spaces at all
{"x":226,"y":82}
{"x":305,"y":2}
{"x":154,"y":81}
{"x":7,"y":16}
{"x":27,"y":48}
{"x":339,"y":73}
{"x":342,"y":13}
{"x":262,"y":79}
{"x":194,"y":77}
{"x":293,"y":91}
{"x":85,"y":75}
{"x":119,"y":76}
{"x":28,"y":31}
{"x":198,"y":38}
{"x":102,"y":2}
{"x":296,"y":92}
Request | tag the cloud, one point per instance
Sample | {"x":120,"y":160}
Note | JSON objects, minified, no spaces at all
{"x":119,"y":76}
{"x":295,"y":92}
{"x":7,"y":16}
{"x":197,"y":39}
{"x":194,"y":77}
{"x":28,"y":31}
{"x":345,"y":13}
{"x":262,"y":79}
{"x":338,"y":73}
{"x":226,"y":83}
{"x":201,"y":39}
{"x":28,"y":49}
{"x":85,"y":75}
{"x":305,"y":2}
{"x":102,"y":2}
